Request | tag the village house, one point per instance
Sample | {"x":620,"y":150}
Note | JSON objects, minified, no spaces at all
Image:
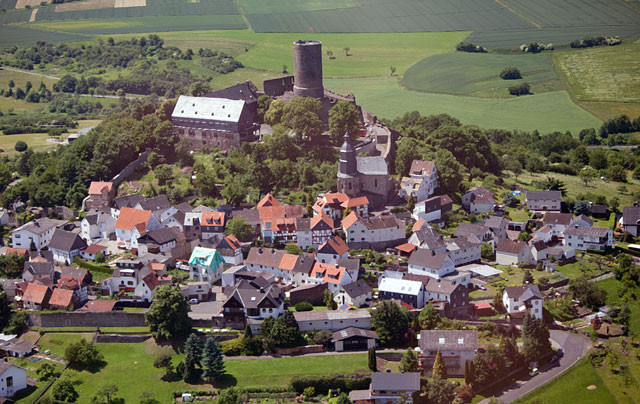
{"x":333,"y":275}
{"x":200,"y":291}
{"x":631,"y":219}
{"x":388,"y":388}
{"x":96,"y":226}
{"x":288,"y":268}
{"x":13,"y":378}
{"x":421,"y":182}
{"x":354,"y":294}
{"x":278,"y":221}
{"x":101,"y":195}
{"x":127,"y":201}
{"x":558,"y":222}
{"x":464,"y":251}
{"x":583,"y":220}
{"x":135,"y":283}
{"x":160,"y":241}
{"x":373,"y":232}
{"x":478,"y":200}
{"x":544,"y":200}
{"x":498,"y":226}
{"x":456,"y":347}
{"x":432,"y":209}
{"x":38,"y":269}
{"x":204,"y":225}
{"x":4,"y":217}
{"x":36,"y":297}
{"x":90,"y":253}
{"x":332,"y":250}
{"x":205,"y":265}
{"x":37,"y":232}
{"x":61,"y":299}
{"x":430,"y":263}
{"x":254,"y":299}
{"x":330,"y":204}
{"x":230,"y":249}
{"x":332,"y":320}
{"x":407,"y":291}
{"x":133,"y":223}
{"x":354,"y":339}
{"x":585,"y":238}
{"x":311,"y":292}
{"x":65,"y":246}
{"x":428,"y":238}
{"x":476,"y":231}
{"x":518,"y":300}
{"x":511,"y":252}
{"x":545,"y":233}
{"x":360,"y":205}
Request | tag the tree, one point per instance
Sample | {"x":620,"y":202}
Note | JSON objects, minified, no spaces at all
{"x":284,"y":69}
{"x":264,"y":101}
{"x":486,"y":251}
{"x":63,"y":390}
{"x":439,"y":369}
{"x":390,"y":322}
{"x":450,"y":171}
{"x":520,"y":89}
{"x":163,"y":173}
{"x":581,"y":208}
{"x":230,"y":396}
{"x":147,"y":397}
{"x":168,"y":316}
{"x":392,"y":69}
{"x":105,"y":395}
{"x":239,"y":227}
{"x":17,"y":323}
{"x":429,"y":318}
{"x":411,"y":203}
{"x":409,"y":361}
{"x":510,"y":73}
{"x":587,"y":174}
{"x":163,"y":361}
{"x":346,"y":50}
{"x":497,"y":302}
{"x":535,"y":337}
{"x":100,"y":259}
{"x":331,"y":303}
{"x":439,"y":391}
{"x":11,"y":84}
{"x":527,"y":278}
{"x":343,"y":398}
{"x":344,"y":119}
{"x":509,"y":200}
{"x":233,"y":192}
{"x":189,"y":373}
{"x":274,"y":114}
{"x":588,"y":293}
{"x":21,"y":146}
{"x":67,"y":84}
{"x":82,"y":355}
{"x":193,"y":347}
{"x":302,"y":115}
{"x":212,"y":362}
{"x":309,"y":392}
{"x":372,"y":359}
{"x":46,"y":371}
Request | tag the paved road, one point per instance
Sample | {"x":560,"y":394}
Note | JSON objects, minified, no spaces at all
{"x":575,"y":346}
{"x":32,"y":73}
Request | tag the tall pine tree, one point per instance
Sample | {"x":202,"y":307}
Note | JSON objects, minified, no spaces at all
{"x":439,"y":369}
{"x":212,"y":361}
{"x":373,"y":362}
{"x":193,"y":348}
{"x":409,"y":361}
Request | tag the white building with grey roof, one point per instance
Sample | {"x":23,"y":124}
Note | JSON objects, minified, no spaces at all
{"x":332,"y":320}
{"x":456,"y":347}
{"x":39,"y":231}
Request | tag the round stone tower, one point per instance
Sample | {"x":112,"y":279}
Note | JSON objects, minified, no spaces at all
{"x":348,"y":180}
{"x":307,"y":69}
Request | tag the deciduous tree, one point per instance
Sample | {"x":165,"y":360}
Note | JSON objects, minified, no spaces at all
{"x":168,"y":316}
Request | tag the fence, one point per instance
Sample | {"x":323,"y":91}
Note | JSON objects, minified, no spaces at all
{"x":88,"y":319}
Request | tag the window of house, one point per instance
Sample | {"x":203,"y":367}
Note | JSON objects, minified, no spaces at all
{"x":9,"y":381}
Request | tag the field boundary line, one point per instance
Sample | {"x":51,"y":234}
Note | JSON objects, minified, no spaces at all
{"x":243,"y":14}
{"x":519,"y":14}
{"x":27,"y":72}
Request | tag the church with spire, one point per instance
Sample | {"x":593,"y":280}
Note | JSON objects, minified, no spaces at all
{"x":363,"y":175}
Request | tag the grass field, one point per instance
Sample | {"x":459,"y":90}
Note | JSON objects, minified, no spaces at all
{"x":606,"y":73}
{"x":284,"y":6}
{"x":124,"y":360}
{"x":370,"y":54}
{"x":472,"y":73}
{"x":28,"y":396}
{"x":58,"y":342}
{"x":545,"y":112}
{"x":35,"y":141}
{"x":575,"y":186}
{"x":21,"y":78}
{"x":573,"y":383}
{"x":613,"y":287}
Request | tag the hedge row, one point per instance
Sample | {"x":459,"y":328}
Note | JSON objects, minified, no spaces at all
{"x":322,"y":384}
{"x":92,"y":267}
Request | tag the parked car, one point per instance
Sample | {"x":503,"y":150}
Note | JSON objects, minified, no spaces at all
{"x":193,"y":301}
{"x":554,"y":359}
{"x":560,"y":353}
{"x":534,"y":372}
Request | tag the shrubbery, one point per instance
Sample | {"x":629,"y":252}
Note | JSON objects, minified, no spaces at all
{"x":303,"y":306}
{"x":590,"y":41}
{"x":510,"y":73}
{"x":469,"y":47}
{"x":520,"y":89}
{"x":535,"y":47}
{"x":322,"y":384}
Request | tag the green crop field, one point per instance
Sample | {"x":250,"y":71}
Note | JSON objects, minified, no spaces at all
{"x":468,"y":73}
{"x":607,"y":73}
{"x":284,"y":6}
{"x":370,"y":54}
{"x":573,"y":383}
{"x":546,"y":112}
{"x":21,"y":36}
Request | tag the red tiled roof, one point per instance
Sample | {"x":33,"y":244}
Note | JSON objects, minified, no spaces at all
{"x":321,"y":218}
{"x":61,"y":297}
{"x":418,"y":225}
{"x":130,"y":218}
{"x":353,"y":202}
{"x":94,"y":249}
{"x":269,"y":200}
{"x":335,"y":197}
{"x":408,"y":247}
{"x":349,"y":220}
{"x":35,"y":293}
{"x":99,"y":305}
{"x":482,"y":305}
{"x":422,"y":167}
{"x":329,"y":273}
{"x":233,"y":241}
{"x":212,"y":219}
{"x":19,"y":251}
{"x":337,"y":244}
{"x":288,"y":262}
{"x":96,"y":187}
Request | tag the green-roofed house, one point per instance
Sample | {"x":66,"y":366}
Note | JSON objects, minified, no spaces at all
{"x":205,"y":265}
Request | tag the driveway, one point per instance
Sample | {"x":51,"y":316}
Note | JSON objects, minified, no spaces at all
{"x":575,"y":346}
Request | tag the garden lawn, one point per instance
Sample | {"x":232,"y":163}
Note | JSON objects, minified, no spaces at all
{"x":385,"y":98}
{"x":278,"y":372}
{"x":613,"y":286}
{"x":369,"y":55}
{"x":573,"y":270}
{"x":58,"y":342}
{"x":571,"y":386}
{"x":28,"y":396}
{"x":35,"y":141}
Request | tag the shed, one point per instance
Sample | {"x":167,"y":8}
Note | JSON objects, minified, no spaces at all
{"x":353,"y":339}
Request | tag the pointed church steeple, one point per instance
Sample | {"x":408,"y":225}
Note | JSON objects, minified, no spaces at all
{"x":348,"y":165}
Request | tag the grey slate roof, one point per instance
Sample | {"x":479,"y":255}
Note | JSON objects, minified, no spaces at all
{"x":430,"y":238}
{"x":372,"y":165}
{"x":631,"y":215}
{"x":465,"y":229}
{"x":427,"y":258}
{"x":524,"y":292}
{"x":162,"y":236}
{"x":586,"y":231}
{"x":395,"y":381}
{"x":533,"y":195}
{"x":331,"y":315}
{"x":66,"y":241}
{"x":40,"y":226}
{"x":448,"y":340}
{"x":353,"y":332}
{"x":358,"y":288}
{"x":127,"y":201}
{"x":156,"y":203}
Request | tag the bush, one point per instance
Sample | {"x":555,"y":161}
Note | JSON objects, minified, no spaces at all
{"x":510,"y":73}
{"x":82,"y":354}
{"x":520,"y":89}
{"x":232,"y":347}
{"x":469,"y":47}
{"x":303,"y":306}
{"x":322,"y":384}
{"x":21,"y":146}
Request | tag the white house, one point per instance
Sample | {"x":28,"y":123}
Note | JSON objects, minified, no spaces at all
{"x":511,"y":252}
{"x":334,"y":276}
{"x":432,"y":209}
{"x":354,"y":294}
{"x":518,"y":300}
{"x":407,"y":291}
{"x":230,"y":249}
{"x":456,"y":347}
{"x":332,"y":250}
{"x":478,"y":200}
{"x":38,"y":231}
{"x":380,"y":231}
{"x":584,"y":238}
{"x":133,"y":284}
{"x":498,"y":225}
{"x":205,"y":265}
{"x":422,"y":181}
{"x":430,"y":263}
{"x":96,"y":226}
{"x":332,"y":320}
{"x":160,"y":241}
{"x":464,"y":250}
{"x":65,"y":246}
{"x":544,"y":200}
{"x":631,"y":219}
{"x":131,"y":224}
{"x":558,"y":222}
{"x":13,"y":378}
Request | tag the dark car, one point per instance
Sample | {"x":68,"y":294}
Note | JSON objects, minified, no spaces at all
{"x":559,"y":353}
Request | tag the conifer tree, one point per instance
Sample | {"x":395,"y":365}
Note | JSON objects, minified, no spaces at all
{"x":409,"y":361}
{"x":212,"y":361}
{"x":439,"y":369}
{"x":373,"y":362}
{"x":193,"y":348}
